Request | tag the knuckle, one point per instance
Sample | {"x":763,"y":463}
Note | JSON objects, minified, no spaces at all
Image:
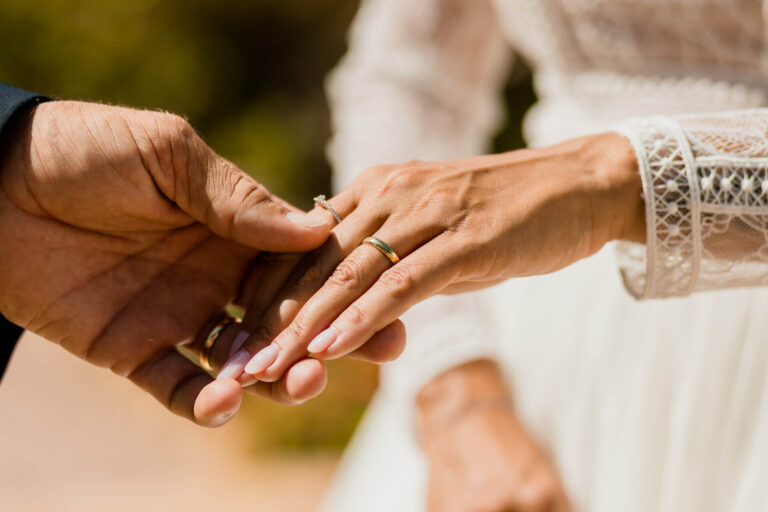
{"x":348,"y":274}
{"x":178,"y":131}
{"x":461,"y":221}
{"x":354,"y":315}
{"x":310,"y":279}
{"x":234,"y":184}
{"x":179,"y":124}
{"x":172,"y":142}
{"x":255,"y":195}
{"x":401,"y":178}
{"x":262,"y":333}
{"x":296,"y":330}
{"x":398,"y":280}
{"x":311,"y":273}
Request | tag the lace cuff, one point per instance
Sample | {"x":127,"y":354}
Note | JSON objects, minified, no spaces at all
{"x":705,"y":183}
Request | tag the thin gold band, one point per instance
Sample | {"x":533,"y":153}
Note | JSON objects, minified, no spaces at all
{"x":383,"y":248}
{"x":323,"y":202}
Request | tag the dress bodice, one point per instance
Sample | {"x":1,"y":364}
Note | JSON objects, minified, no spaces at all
{"x":626,"y":58}
{"x":670,"y":38}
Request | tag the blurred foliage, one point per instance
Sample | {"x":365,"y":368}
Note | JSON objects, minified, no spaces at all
{"x":325,"y":422}
{"x":519,"y":96}
{"x":248,"y":74}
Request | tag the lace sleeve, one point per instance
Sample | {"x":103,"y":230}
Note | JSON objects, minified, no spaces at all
{"x":705,"y":181}
{"x":421,"y":80}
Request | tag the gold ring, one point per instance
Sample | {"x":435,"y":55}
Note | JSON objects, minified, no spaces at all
{"x":210,"y":340}
{"x":323,"y":202}
{"x":382,"y":248}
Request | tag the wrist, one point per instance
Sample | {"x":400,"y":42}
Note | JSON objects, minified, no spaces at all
{"x":459,"y":392}
{"x":617,"y":191}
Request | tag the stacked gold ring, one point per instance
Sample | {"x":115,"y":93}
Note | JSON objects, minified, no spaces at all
{"x":383,"y":248}
{"x":210,"y":340}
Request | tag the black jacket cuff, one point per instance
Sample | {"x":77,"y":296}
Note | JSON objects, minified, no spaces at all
{"x":12,"y":101}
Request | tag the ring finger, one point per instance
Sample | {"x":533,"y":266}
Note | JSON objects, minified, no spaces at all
{"x":307,"y":277}
{"x":268,"y":276}
{"x":300,"y":383}
{"x":308,"y":331}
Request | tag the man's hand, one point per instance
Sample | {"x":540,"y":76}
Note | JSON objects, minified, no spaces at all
{"x":122,"y":234}
{"x":454,"y":226}
{"x":480,"y":455}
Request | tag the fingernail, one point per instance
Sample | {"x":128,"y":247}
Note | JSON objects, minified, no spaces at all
{"x":322,"y":341}
{"x":235,"y":366}
{"x":238,"y":343}
{"x":262,"y":360}
{"x":304,"y":219}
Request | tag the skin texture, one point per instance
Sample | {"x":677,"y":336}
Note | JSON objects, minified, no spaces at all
{"x":124,"y":235}
{"x":457,"y":226}
{"x":270,"y":276}
{"x":481,"y":458}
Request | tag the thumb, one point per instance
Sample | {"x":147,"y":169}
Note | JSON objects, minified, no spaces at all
{"x":235,"y":206}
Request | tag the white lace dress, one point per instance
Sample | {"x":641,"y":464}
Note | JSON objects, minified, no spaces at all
{"x":654,"y":405}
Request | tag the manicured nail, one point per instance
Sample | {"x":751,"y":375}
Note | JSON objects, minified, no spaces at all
{"x":238,"y":343}
{"x":304,"y":219}
{"x":262,"y":360}
{"x":235,"y":366}
{"x":323,"y":340}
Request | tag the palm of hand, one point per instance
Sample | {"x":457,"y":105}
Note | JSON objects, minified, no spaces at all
{"x":116,"y":299}
{"x":102,"y":261}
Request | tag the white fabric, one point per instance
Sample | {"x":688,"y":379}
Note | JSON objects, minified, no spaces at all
{"x":706,"y":188}
{"x":394,"y":99}
{"x":654,"y":405}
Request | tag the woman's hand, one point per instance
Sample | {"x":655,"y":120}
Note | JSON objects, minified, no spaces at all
{"x":487,"y":461}
{"x":122,"y":234}
{"x":480,"y":455}
{"x":306,"y":378}
{"x":456,"y":226}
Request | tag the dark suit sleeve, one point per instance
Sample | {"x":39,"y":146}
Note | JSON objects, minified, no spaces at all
{"x":12,"y":101}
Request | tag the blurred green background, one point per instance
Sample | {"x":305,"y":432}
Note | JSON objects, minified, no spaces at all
{"x":248,"y":74}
